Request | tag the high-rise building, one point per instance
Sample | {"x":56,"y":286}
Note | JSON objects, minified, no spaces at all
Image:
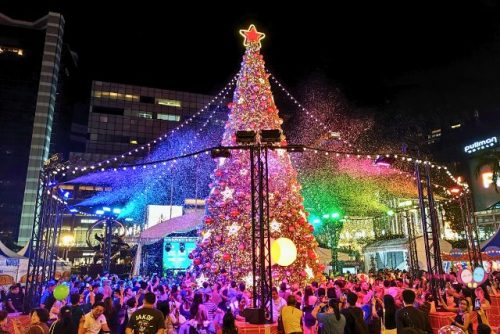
{"x":30,"y":63}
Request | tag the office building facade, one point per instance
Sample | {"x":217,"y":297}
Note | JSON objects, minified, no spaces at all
{"x":30,"y":58}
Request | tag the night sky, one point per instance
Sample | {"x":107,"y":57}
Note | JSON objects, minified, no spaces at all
{"x":374,"y":54}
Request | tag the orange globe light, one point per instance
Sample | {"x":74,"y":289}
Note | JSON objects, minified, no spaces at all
{"x":283,"y":251}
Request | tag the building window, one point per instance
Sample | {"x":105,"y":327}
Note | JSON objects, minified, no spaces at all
{"x":147,"y":99}
{"x":147,"y":115}
{"x":456,"y":126}
{"x":9,"y":50}
{"x":169,"y":103}
{"x":169,"y":117}
{"x":115,"y":96}
{"x":103,"y":119}
{"x":133,"y":141}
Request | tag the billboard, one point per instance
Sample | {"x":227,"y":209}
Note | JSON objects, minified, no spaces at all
{"x":483,"y":189}
{"x":159,"y":213}
{"x":175,"y":253}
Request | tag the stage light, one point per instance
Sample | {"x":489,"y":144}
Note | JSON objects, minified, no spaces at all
{"x":245,"y":137}
{"x":182,"y":247}
{"x":335,"y":215}
{"x":106,"y":209}
{"x":220,"y":153}
{"x":390,"y":213}
{"x":326,"y":216}
{"x":384,"y":161}
{"x":99,"y":212}
{"x":270,"y":136}
{"x":117,"y":210}
{"x":73,"y":210}
{"x":128,"y":219}
{"x":168,"y":247}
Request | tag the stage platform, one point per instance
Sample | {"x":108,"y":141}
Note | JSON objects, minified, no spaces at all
{"x":246,"y":328}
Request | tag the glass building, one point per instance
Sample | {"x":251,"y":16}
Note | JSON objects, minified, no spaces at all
{"x":30,"y":62}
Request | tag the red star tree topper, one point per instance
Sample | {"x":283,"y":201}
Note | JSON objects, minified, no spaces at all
{"x":225,"y":241}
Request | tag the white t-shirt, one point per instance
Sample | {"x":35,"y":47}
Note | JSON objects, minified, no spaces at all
{"x":277,"y":306}
{"x":92,"y":325}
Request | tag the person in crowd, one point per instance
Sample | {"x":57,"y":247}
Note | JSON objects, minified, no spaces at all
{"x":146,"y":320}
{"x":164,"y":307}
{"x":64,"y":323}
{"x":291,"y":316}
{"x":277,"y":302}
{"x":47,"y":299}
{"x":354,"y":316}
{"x":238,"y":307}
{"x":409,"y":316}
{"x":462,"y":318}
{"x":38,"y":323}
{"x":389,"y":314}
{"x":307,"y":306}
{"x":228,"y":323}
{"x":76,"y":312}
{"x":94,"y":322}
{"x":14,"y":299}
{"x":331,"y":321}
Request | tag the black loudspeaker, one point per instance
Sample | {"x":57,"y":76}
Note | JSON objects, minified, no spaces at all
{"x":255,"y":316}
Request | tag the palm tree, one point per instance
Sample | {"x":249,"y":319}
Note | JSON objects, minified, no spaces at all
{"x":489,"y":159}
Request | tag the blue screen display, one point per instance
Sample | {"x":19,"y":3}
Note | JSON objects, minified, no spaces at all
{"x":175,"y":259}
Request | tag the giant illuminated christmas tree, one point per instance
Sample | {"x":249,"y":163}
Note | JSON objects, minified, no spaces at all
{"x":225,"y":239}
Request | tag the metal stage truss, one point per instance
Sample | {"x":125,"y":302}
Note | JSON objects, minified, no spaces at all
{"x":49,"y":209}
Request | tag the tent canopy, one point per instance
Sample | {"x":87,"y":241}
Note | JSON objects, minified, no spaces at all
{"x":493,"y":241}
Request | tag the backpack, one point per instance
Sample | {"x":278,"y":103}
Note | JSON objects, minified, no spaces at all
{"x":359,"y":323}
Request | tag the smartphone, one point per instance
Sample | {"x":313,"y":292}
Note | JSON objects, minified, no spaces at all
{"x":477,"y":304}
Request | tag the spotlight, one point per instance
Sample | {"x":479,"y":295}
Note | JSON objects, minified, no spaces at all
{"x":168,"y":247}
{"x":182,"y":247}
{"x":270,"y":136}
{"x":245,"y":137}
{"x":384,"y":161}
{"x":220,"y":153}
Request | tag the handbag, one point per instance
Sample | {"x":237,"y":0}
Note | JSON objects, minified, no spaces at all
{"x":382,"y":326}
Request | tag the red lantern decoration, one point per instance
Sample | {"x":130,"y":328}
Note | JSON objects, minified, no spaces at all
{"x":291,"y":228}
{"x":226,"y":257}
{"x":209,"y":220}
{"x":234,"y":213}
{"x":247,"y":225}
{"x":197,"y":261}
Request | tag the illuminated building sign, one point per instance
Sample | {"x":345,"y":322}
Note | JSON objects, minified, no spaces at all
{"x":481,"y":145}
{"x":487,"y":180}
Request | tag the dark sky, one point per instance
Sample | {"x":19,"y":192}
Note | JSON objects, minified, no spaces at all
{"x":368,"y":51}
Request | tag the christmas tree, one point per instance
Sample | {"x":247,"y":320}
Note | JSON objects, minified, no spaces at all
{"x":225,"y":239}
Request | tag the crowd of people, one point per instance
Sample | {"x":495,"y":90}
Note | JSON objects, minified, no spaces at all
{"x":384,"y":302}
